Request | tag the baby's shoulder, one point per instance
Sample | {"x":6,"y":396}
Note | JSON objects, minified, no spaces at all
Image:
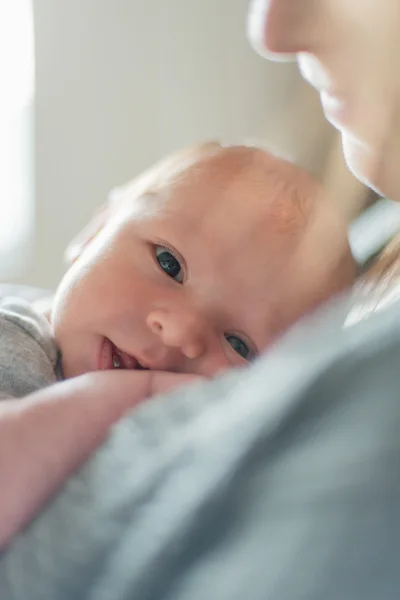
{"x":28,"y":353}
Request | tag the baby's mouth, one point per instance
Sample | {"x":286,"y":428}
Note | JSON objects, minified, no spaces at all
{"x":116,"y":361}
{"x":122,"y":360}
{"x":112,"y":357}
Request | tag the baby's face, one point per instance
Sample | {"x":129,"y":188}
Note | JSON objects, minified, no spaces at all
{"x":195,"y":279}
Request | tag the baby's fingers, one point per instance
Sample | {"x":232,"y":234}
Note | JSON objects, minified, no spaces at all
{"x":160,"y":382}
{"x":124,"y":389}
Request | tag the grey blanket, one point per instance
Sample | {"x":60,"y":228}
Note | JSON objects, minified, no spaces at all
{"x":280,"y":482}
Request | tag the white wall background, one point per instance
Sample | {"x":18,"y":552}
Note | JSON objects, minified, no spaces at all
{"x":120,"y":82}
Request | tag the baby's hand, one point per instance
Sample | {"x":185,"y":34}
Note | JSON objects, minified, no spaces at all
{"x":142,"y":385}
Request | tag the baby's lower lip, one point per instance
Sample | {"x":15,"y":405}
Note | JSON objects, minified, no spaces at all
{"x":105,"y":361}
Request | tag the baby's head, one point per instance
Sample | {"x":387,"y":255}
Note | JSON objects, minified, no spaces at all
{"x":199,"y":264}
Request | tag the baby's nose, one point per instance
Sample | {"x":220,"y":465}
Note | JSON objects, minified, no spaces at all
{"x":182,"y":331}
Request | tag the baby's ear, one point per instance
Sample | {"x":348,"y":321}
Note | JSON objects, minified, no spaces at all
{"x":88,"y":233}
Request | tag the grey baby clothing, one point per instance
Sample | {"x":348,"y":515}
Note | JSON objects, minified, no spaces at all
{"x":29,"y":359}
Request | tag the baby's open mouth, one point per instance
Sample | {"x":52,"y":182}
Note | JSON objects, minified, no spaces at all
{"x":122,"y":360}
{"x":113,"y":357}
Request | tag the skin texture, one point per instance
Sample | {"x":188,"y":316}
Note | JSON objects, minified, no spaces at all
{"x":259,"y":245}
{"x":349,"y":51}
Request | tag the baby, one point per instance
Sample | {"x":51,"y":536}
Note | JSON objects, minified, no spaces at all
{"x":196,"y":266}
{"x":199,"y":264}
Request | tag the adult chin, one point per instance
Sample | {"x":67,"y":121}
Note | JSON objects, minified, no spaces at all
{"x":372,"y":166}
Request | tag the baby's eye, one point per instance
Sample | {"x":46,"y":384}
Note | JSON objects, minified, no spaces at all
{"x":169,"y":263}
{"x":238,"y":345}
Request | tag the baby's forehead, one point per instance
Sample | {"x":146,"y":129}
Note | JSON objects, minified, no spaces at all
{"x":247,"y":185}
{"x":228,"y":195}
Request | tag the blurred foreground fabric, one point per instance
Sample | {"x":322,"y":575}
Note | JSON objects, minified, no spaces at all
{"x":280,"y":481}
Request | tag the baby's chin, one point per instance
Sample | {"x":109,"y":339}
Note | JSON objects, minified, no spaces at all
{"x":76,"y":358}
{"x":71,"y":368}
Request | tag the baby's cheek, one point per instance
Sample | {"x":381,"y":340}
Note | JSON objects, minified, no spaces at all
{"x":212,"y":364}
